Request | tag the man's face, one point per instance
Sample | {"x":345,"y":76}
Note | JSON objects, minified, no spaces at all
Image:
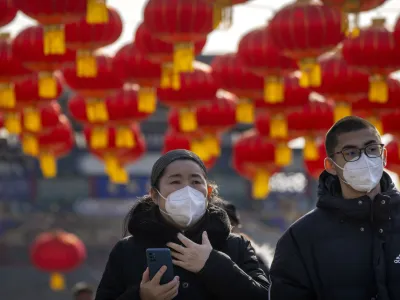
{"x":84,"y":296}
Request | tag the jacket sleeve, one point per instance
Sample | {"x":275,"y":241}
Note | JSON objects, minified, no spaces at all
{"x":112,"y":285}
{"x":289,"y":277}
{"x":229,"y":281}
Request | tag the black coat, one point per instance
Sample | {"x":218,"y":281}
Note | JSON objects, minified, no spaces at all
{"x":345,"y":249}
{"x":231,"y":272}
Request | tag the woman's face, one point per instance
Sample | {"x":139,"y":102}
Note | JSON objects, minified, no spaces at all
{"x":179,"y":174}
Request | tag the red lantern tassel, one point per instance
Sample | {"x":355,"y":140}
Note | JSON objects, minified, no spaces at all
{"x":32,"y":120}
{"x":13,"y":123}
{"x":147,"y":101}
{"x":245,"y":112}
{"x":97,"y":12}
{"x":187,"y":120}
{"x":57,"y":282}
{"x":47,"y":85}
{"x":54,"y":40}
{"x":30,"y":145}
{"x":183,"y":57}
{"x":283,"y":155}
{"x":99,"y":138}
{"x":7,"y":95}
{"x":260,"y":188}
{"x":278,"y":127}
{"x":125,"y":138}
{"x":48,"y":165}
{"x":86,"y":64}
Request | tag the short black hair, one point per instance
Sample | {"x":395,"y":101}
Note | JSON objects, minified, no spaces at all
{"x":81,"y":288}
{"x":345,"y":125}
{"x":231,"y":211}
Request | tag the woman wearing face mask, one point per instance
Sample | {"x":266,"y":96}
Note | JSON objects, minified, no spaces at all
{"x":209,"y":261}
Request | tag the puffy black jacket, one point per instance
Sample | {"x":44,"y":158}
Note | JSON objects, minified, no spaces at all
{"x":343,"y":249}
{"x":231,"y":272}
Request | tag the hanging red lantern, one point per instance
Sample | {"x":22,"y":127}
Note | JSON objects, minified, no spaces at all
{"x":8,"y":11}
{"x":57,"y":252}
{"x":174,"y":140}
{"x":257,"y":167}
{"x":262,"y":57}
{"x":304,"y":30}
{"x":393,"y":153}
{"x":181,"y":23}
{"x":52,"y":15}
{"x":315,"y":167}
{"x":85,"y":38}
{"x":48,"y":116}
{"x":230,"y":74}
{"x":374,"y":51}
{"x":115,"y":150}
{"x":135,"y":68}
{"x":341,"y":83}
{"x":196,"y":88}
{"x":1,"y":122}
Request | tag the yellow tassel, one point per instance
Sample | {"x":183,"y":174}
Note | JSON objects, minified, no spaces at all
{"x":166,"y":76}
{"x":345,"y":22}
{"x":111,"y":164}
{"x":176,"y":81}
{"x":32,"y":120}
{"x":283,"y":155}
{"x":125,"y":138}
{"x":101,"y":111}
{"x":260,"y":189}
{"x":47,"y":85}
{"x":97,"y":12}
{"x":217,"y":15}
{"x":273,"y":90}
{"x":245,"y":112}
{"x":99,"y":138}
{"x":13,"y":123}
{"x":342,"y":110}
{"x":187,"y":120}
{"x":376,"y":121}
{"x":91,"y":110}
{"x":211,"y":144}
{"x":86,"y":64}
{"x":54,"y":40}
{"x":147,"y":101}
{"x":7,"y":95}
{"x":57,"y":282}
{"x":48,"y":165}
{"x":183,"y":57}
{"x":119,"y":176}
{"x":198,"y":147}
{"x":278,"y":127}
{"x":310,"y":151}
{"x":30,"y":145}
{"x":310,"y":73}
{"x":378,"y":89}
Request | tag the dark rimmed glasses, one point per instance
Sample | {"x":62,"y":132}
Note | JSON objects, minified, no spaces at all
{"x":354,"y":154}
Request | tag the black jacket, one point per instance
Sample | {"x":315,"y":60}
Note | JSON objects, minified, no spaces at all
{"x":231,"y":272}
{"x":343,"y":249}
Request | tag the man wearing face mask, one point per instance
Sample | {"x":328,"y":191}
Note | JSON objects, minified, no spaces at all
{"x":348,"y":247}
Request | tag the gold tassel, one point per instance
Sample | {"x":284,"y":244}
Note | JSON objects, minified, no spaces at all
{"x":283,"y":155}
{"x":13,"y":123}
{"x":54,"y":40}
{"x":47,"y":85}
{"x":97,"y":12}
{"x":310,"y":73}
{"x":310,"y":151}
{"x":274,"y":91}
{"x":48,"y":165}
{"x":260,"y":188}
{"x":278,"y":127}
{"x":378,"y":89}
{"x":211,"y":144}
{"x":125,"y":138}
{"x":57,"y":282}
{"x":217,"y":15}
{"x":198,"y":147}
{"x":345,"y":23}
{"x":166,"y":76}
{"x":119,"y":176}
{"x":176,"y":81}
{"x":32,"y":120}
{"x":111,"y":164}
{"x":342,"y":110}
{"x":30,"y":145}
{"x":147,"y":100}
{"x":187,"y":120}
{"x":245,"y":112}
{"x":96,"y":110}
{"x":376,"y":121}
{"x":86,"y":64}
{"x":7,"y":95}
{"x":99,"y":138}
{"x":183,"y":57}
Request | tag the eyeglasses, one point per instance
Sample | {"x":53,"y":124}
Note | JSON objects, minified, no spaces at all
{"x":354,"y":154}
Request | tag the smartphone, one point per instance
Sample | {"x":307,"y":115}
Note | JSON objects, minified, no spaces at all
{"x":158,"y":257}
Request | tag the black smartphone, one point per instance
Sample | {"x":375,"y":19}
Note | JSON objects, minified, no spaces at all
{"x":158,"y":257}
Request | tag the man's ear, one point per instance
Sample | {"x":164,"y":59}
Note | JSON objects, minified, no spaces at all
{"x":384,"y":157}
{"x":329,"y":166}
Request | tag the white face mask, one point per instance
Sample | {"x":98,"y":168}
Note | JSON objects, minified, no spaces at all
{"x":364,"y":174}
{"x":185,"y":206}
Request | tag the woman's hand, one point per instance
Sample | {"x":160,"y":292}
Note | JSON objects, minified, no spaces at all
{"x":193,"y":256}
{"x":152,"y":290}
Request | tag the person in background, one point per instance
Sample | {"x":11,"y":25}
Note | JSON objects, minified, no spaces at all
{"x":209,"y":262}
{"x":348,"y":247}
{"x":82,"y":291}
{"x":263,"y":252}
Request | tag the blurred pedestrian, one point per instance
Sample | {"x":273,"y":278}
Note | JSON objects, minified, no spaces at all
{"x":82,"y":291}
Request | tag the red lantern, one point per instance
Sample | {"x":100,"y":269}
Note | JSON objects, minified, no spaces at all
{"x":259,"y":165}
{"x":1,"y":122}
{"x":230,"y":74}
{"x":48,"y":118}
{"x":315,"y":167}
{"x":135,"y":68}
{"x":174,"y":140}
{"x":8,"y":11}
{"x":342,"y":83}
{"x":393,"y":153}
{"x":196,"y":88}
{"x":374,"y":51}
{"x":52,"y":15}
{"x":86,"y":37}
{"x":304,"y":30}
{"x":180,"y":22}
{"x":57,"y":252}
{"x":261,"y":56}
